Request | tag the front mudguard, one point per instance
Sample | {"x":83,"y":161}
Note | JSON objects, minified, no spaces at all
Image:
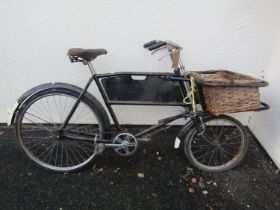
{"x":184,"y":131}
{"x":14,"y":109}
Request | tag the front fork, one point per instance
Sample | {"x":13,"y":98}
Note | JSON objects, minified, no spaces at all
{"x":200,"y":127}
{"x":196,"y":122}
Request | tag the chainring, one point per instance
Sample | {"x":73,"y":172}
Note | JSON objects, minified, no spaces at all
{"x":128,"y":144}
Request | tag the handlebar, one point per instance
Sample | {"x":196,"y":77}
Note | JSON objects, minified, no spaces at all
{"x":149,"y":43}
{"x":173,"y":51}
{"x":156,"y":44}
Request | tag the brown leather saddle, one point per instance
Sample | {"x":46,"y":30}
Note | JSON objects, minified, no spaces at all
{"x":85,"y":54}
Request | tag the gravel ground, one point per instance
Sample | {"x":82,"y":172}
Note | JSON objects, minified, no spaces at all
{"x":156,"y":177}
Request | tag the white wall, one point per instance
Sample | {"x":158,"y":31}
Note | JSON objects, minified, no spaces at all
{"x":35,"y":35}
{"x":265,"y":125}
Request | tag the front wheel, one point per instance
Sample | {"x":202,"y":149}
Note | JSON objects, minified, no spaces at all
{"x":38,"y":129}
{"x":221,"y":146}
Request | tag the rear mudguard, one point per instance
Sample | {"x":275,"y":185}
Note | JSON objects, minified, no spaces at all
{"x":14,"y":109}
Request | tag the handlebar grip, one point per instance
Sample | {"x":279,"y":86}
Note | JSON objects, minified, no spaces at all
{"x":149,"y":43}
{"x":156,"y":45}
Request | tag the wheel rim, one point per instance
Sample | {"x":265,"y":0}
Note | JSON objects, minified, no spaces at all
{"x":227,"y":143}
{"x":39,"y":131}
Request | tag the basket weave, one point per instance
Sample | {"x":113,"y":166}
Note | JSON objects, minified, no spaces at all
{"x":228,"y":92}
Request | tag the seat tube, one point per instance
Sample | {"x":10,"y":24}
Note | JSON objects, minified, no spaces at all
{"x":77,"y":102}
{"x":92,"y":70}
{"x":104,"y":96}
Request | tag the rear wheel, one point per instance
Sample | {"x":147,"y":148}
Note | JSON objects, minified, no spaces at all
{"x":221,"y":146}
{"x":38,"y":129}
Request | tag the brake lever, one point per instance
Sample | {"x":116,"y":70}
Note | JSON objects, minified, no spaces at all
{"x":168,"y":54}
{"x":154,"y":51}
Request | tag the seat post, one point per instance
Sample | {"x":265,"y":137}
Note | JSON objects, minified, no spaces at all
{"x":92,"y":70}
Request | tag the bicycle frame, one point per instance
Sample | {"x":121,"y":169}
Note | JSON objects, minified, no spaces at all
{"x":153,"y":129}
{"x":69,"y":145}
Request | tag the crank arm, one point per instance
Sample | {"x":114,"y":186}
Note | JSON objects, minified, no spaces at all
{"x":78,"y":133}
{"x":113,"y":145}
{"x":85,"y":139}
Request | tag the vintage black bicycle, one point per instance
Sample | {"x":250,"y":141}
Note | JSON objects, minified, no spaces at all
{"x":62,"y":127}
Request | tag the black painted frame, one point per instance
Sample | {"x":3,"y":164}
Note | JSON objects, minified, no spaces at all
{"x":176,"y":76}
{"x":172,"y":76}
{"x":162,"y":123}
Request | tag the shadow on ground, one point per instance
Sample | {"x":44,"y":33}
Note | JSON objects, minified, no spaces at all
{"x":169,"y":181}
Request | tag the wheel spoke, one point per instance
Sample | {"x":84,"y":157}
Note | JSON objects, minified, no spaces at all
{"x":59,"y":113}
{"x":49,"y":109}
{"x":201,"y":145}
{"x":47,"y":149}
{"x":216,"y":159}
{"x":212,"y":153}
{"x":67,"y":156}
{"x":213,"y":131}
{"x":50,"y":152}
{"x":75,"y":156}
{"x":38,"y":125}
{"x":222,"y":129}
{"x":46,"y":112}
{"x":204,"y":155}
{"x":232,"y":143}
{"x":229,"y":153}
{"x":38,"y":117}
{"x":38,"y":142}
{"x":56,"y":153}
{"x":61,"y":155}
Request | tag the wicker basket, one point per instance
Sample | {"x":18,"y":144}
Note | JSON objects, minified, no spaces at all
{"x":227,"y":92}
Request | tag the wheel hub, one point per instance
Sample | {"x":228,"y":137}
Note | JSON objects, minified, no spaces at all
{"x":56,"y":134}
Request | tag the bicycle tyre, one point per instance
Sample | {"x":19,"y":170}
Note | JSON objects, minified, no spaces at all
{"x":91,"y":103}
{"x":192,"y":141}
